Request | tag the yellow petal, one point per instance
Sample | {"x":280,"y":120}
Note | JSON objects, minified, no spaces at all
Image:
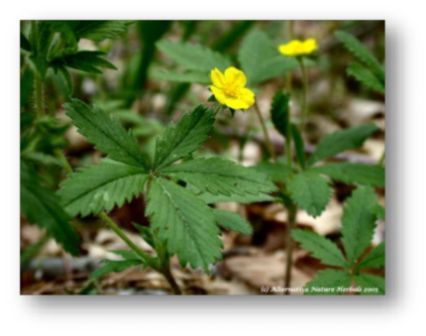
{"x":247,"y":97}
{"x":235,"y":77}
{"x":310,"y":45}
{"x":218,"y":94}
{"x":217,"y":78}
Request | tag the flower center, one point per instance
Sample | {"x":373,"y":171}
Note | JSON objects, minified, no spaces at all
{"x":231,"y":90}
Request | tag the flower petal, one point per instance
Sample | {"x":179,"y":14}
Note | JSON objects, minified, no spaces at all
{"x":246,"y":96}
{"x":235,"y":77}
{"x":219,"y":94}
{"x":217,"y":77}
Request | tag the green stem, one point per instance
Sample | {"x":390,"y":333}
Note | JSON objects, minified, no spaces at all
{"x":304,"y":93}
{"x":292,"y":210}
{"x":65,"y":163}
{"x":265,"y":133}
{"x":167,"y":273}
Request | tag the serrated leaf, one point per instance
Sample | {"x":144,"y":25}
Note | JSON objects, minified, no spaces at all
{"x":354,"y":173}
{"x":184,"y":137}
{"x":320,"y":247}
{"x":210,"y":198}
{"x":371,"y":284}
{"x":232,"y":221}
{"x":375,"y":258}
{"x":310,"y":191}
{"x":186,"y":77}
{"x":98,"y":30}
{"x":41,"y":207}
{"x":105,"y":132}
{"x":342,"y":140}
{"x":328,"y":282}
{"x":87,"y":61}
{"x":280,"y":113}
{"x":193,"y":56}
{"x":361,"y":52}
{"x":366,"y":77}
{"x":185,"y":223}
{"x":219,"y":176}
{"x":299,"y":145}
{"x":276,"y":171}
{"x":358,"y":222}
{"x":260,"y":59}
{"x":101,"y":187}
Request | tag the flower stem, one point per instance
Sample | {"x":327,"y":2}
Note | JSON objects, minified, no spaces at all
{"x":292,"y":210}
{"x":167,"y":273}
{"x":265,"y":133}
{"x":304,"y":93}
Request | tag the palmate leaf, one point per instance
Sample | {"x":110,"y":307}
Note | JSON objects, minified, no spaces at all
{"x":219,"y":176}
{"x":41,"y":207}
{"x":101,"y":187}
{"x":358,"y":222}
{"x":370,"y":284}
{"x":361,"y":52}
{"x":87,"y":61}
{"x":184,"y":137}
{"x":340,"y":141}
{"x":328,"y":282}
{"x":354,"y":173}
{"x":280,"y":113}
{"x":320,"y":247}
{"x":375,"y":258}
{"x":106,"y":133}
{"x":366,"y":77}
{"x":185,"y":223}
{"x":310,"y":191}
{"x":193,"y":56}
{"x":260,"y":59}
{"x":232,"y":221}
{"x":210,"y":198}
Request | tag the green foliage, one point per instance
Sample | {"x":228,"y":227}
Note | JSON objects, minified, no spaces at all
{"x":101,"y":187}
{"x":87,"y":61}
{"x":220,"y":176}
{"x":280,"y":114}
{"x":187,"y":77}
{"x":354,"y":173}
{"x":260,"y":59}
{"x":278,"y":172}
{"x":310,"y":191}
{"x":299,"y":145}
{"x":232,"y":221}
{"x":320,"y":247}
{"x":41,"y":207}
{"x":370,"y":73}
{"x":185,"y":222}
{"x":328,"y":282}
{"x":184,"y":137}
{"x":106,"y":133}
{"x":97,"y":30}
{"x":358,"y":222}
{"x":340,"y":141}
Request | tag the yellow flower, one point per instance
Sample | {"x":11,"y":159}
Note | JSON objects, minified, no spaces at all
{"x":298,"y":48}
{"x":229,"y":88}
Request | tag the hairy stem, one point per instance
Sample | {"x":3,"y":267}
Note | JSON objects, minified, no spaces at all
{"x":304,"y":94}
{"x":265,"y":133}
{"x":292,"y":210}
{"x":167,"y":273}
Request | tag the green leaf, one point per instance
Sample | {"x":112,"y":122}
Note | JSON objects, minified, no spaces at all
{"x":366,"y":77}
{"x":101,"y":187}
{"x":310,"y":191}
{"x":193,"y":56}
{"x":87,"y":61}
{"x":187,"y":77}
{"x":299,"y":145}
{"x":354,"y":173}
{"x":41,"y":207}
{"x":260,"y":59}
{"x":106,"y":133}
{"x":358,"y":222}
{"x":232,"y":221}
{"x":320,"y":247}
{"x":219,"y":176}
{"x":277,"y":172}
{"x":98,"y":30}
{"x":184,"y":137}
{"x":114,"y":266}
{"x":375,"y":258}
{"x":280,"y":113}
{"x":328,"y":282}
{"x":342,"y":140}
{"x":361,"y":52}
{"x":371,"y":284}
{"x":185,"y":223}
{"x":210,"y":198}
